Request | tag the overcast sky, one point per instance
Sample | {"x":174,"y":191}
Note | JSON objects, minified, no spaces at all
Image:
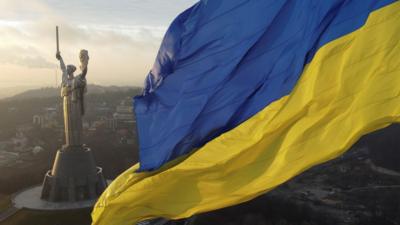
{"x":122,"y":37}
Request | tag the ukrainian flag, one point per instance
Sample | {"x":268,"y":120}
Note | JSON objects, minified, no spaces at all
{"x":263,"y":90}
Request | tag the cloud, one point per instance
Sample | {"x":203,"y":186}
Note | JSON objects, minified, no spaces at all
{"x":37,"y":62}
{"x":32,"y":44}
{"x":27,"y":57}
{"x":122,"y":36}
{"x":22,"y":10}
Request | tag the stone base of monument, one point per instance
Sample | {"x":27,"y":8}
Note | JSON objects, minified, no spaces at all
{"x":74,"y":182}
{"x":30,"y":199}
{"x":74,"y":176}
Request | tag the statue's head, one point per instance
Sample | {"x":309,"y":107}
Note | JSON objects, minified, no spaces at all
{"x":71,"y":69}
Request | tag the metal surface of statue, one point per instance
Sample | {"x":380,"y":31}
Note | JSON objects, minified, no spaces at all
{"x":74,"y":176}
{"x":72,"y":90}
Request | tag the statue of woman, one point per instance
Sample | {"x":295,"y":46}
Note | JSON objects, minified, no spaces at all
{"x":73,"y":89}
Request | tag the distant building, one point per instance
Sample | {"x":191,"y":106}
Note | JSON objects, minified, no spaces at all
{"x":12,"y":109}
{"x":37,"y":149}
{"x":19,"y":142}
{"x":99,"y":124}
{"x":5,"y":144}
{"x":8,"y":159}
{"x":123,"y":118}
{"x":24,"y":128}
{"x":48,"y":119}
{"x":37,"y":120}
{"x":102,"y":109}
{"x":86,"y":125}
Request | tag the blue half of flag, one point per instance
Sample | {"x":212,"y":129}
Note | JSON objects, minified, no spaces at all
{"x":222,"y":61}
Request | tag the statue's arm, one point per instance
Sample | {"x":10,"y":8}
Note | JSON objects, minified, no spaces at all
{"x":62,"y":67}
{"x":62,"y":64}
{"x":84,"y":58}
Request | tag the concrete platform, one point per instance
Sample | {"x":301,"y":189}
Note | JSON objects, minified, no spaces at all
{"x":30,"y":199}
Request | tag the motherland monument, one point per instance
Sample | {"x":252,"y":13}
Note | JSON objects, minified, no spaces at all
{"x":74,"y":176}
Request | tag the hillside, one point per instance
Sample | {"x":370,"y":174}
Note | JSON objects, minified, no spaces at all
{"x":55,"y":92}
{"x":19,"y":109}
{"x":6,"y":92}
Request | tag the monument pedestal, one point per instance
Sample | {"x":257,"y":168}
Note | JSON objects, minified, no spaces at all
{"x":74,"y":176}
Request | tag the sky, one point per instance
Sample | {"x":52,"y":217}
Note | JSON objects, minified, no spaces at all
{"x":122,"y":37}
